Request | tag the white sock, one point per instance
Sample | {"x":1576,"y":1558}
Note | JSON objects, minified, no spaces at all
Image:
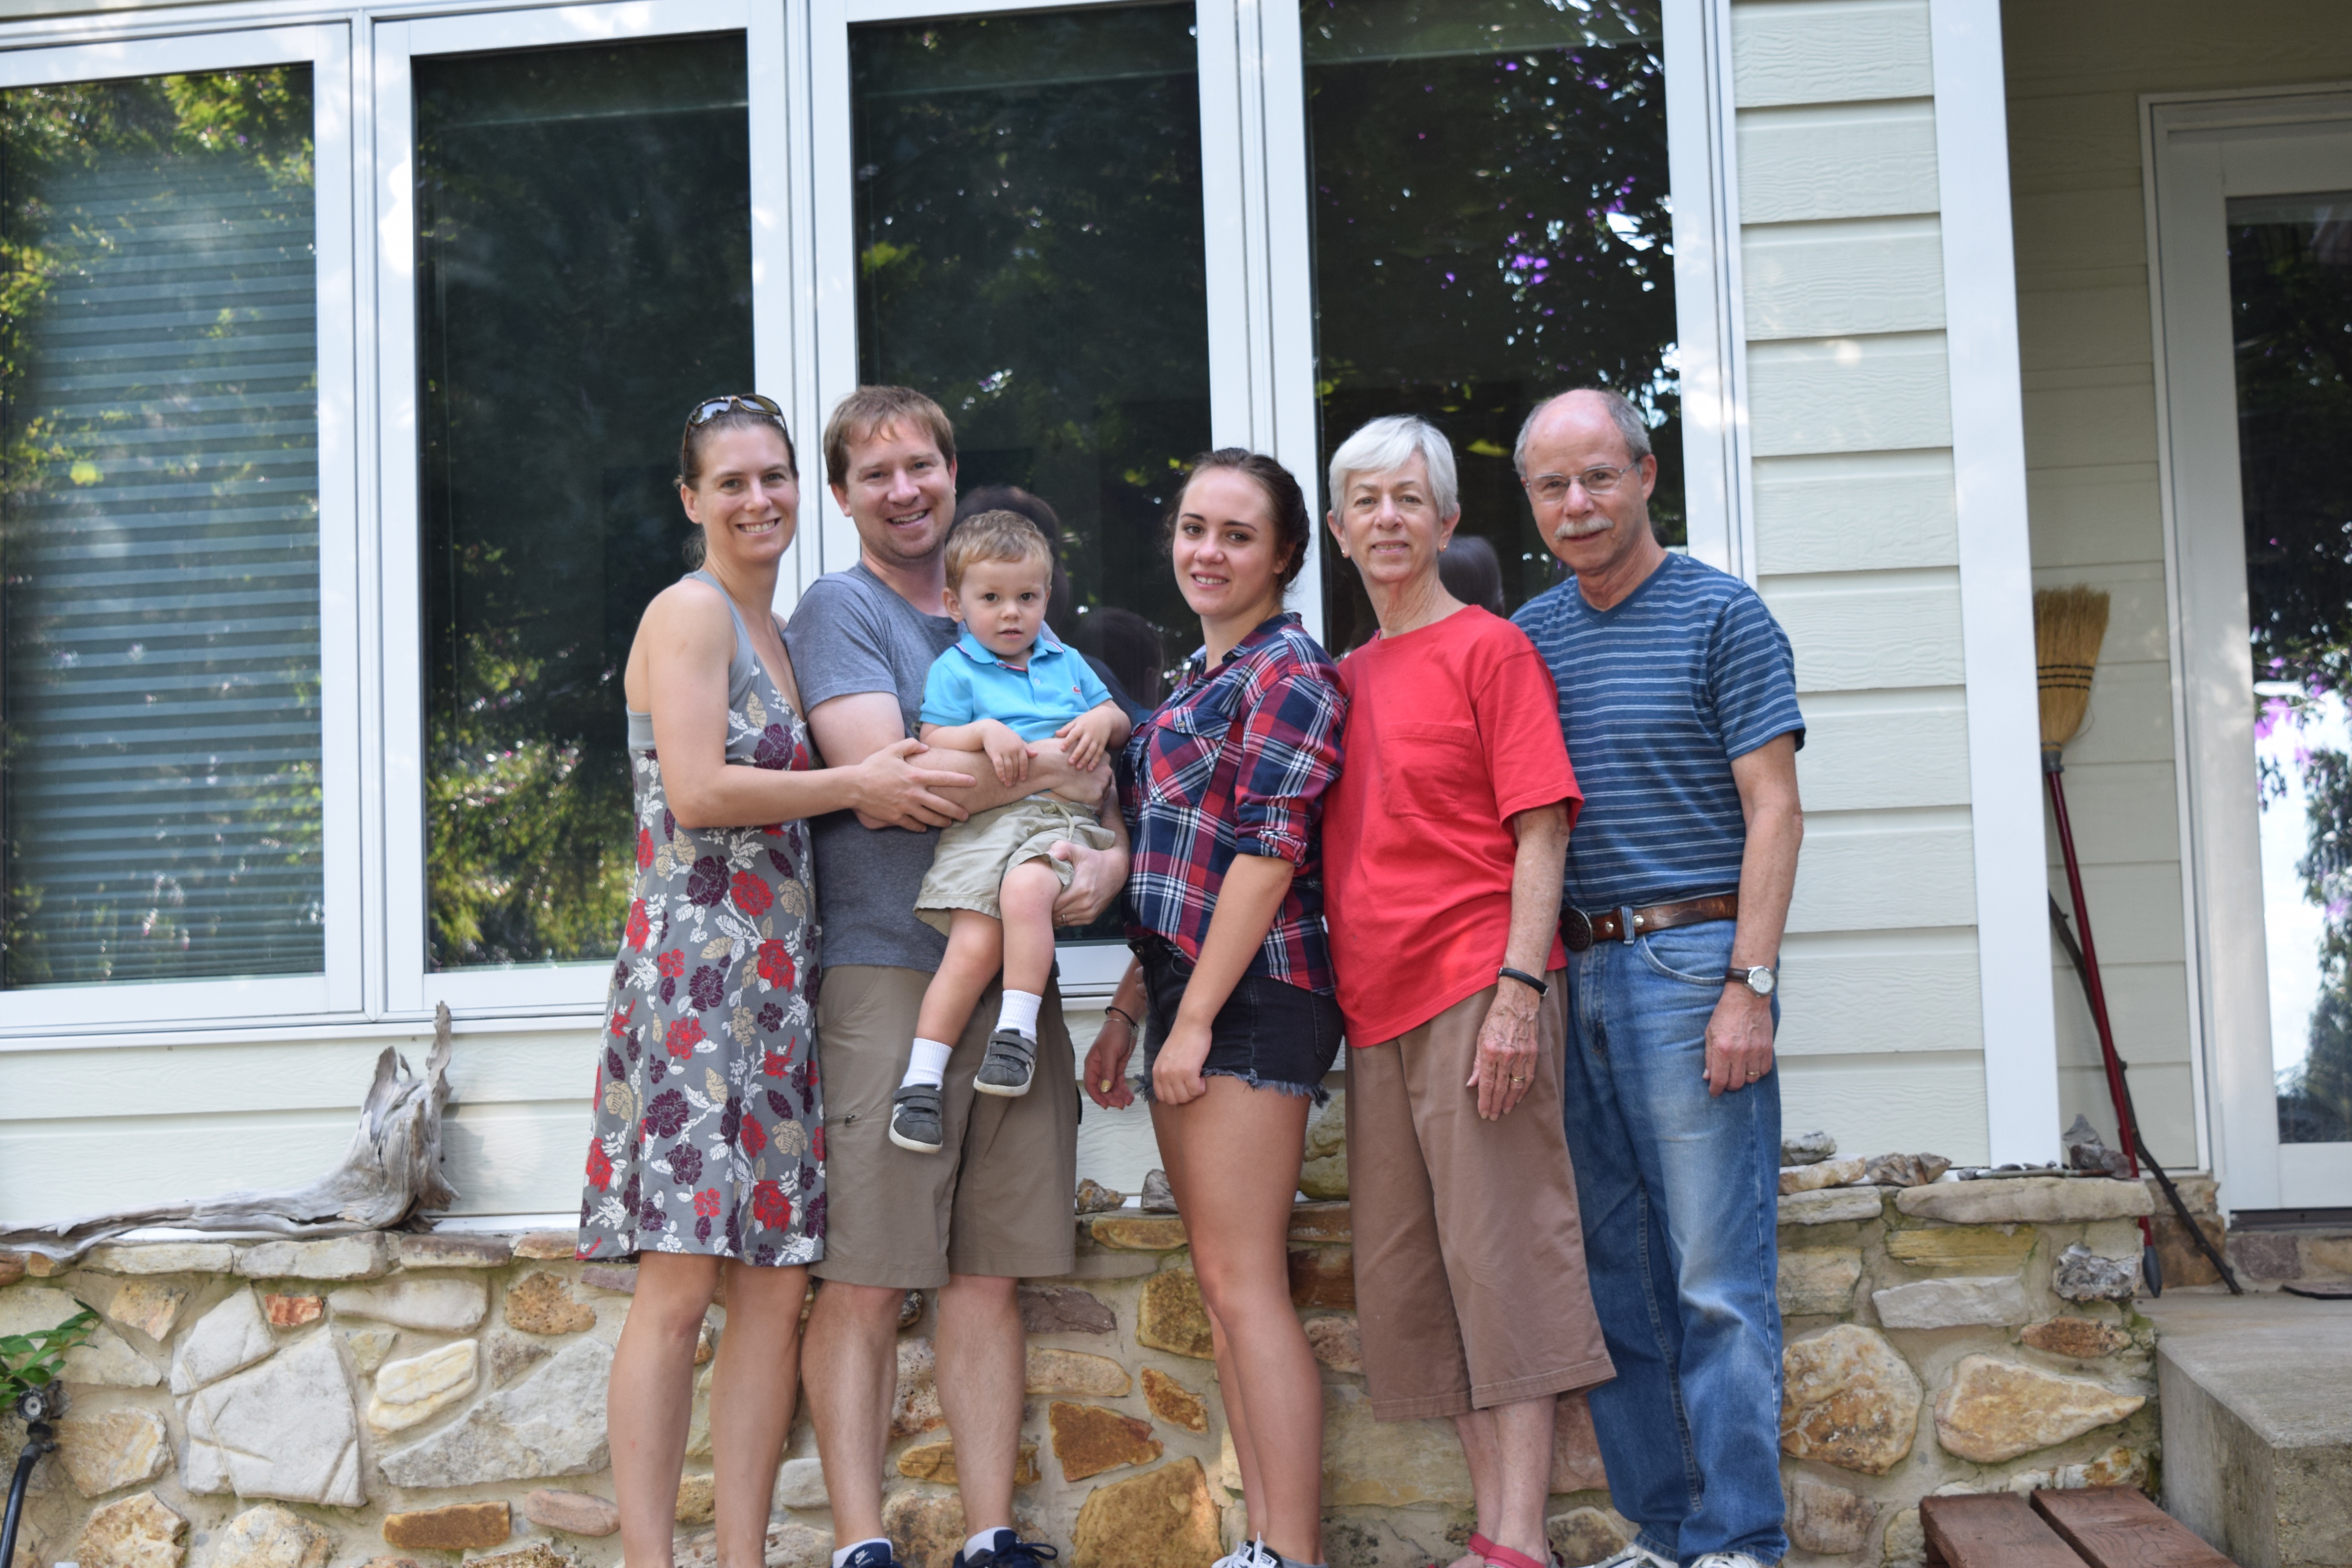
{"x":984,"y":1541}
{"x":1020,"y":1012}
{"x":843,"y":1555}
{"x":927,"y":1063}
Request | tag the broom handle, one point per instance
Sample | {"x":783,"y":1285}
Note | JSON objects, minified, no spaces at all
{"x":2098,"y":990}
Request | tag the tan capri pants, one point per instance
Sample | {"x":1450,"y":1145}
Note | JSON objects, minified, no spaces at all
{"x":1470,"y":1285}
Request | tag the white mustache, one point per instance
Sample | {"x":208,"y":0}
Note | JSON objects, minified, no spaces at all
{"x":1588,"y":529}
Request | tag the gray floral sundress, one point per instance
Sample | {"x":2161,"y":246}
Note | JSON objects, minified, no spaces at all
{"x":708,"y":1130}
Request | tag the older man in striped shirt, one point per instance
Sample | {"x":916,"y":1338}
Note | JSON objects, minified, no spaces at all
{"x":1678,"y":694}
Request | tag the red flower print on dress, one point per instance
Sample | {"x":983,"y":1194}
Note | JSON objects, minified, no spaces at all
{"x":641,"y":928}
{"x":644,"y":847}
{"x":752,"y":894}
{"x":684,"y":1035}
{"x":706,"y":1202}
{"x":599,"y":1166}
{"x":769,"y":1206}
{"x":774,"y":1064}
{"x":621,"y":1021}
{"x":776,"y":964}
{"x":671,"y":965}
{"x":750,"y":1139}
{"x":816,"y":1144}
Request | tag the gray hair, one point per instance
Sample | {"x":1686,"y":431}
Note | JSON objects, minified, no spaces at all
{"x":1623,"y":414}
{"x":1388,"y":444}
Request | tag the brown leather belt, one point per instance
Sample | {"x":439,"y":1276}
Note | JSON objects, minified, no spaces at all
{"x":1579,"y":930}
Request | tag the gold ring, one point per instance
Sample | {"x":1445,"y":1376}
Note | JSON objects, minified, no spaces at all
{"x":1518,"y":1077}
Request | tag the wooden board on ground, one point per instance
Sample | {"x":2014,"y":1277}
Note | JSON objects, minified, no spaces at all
{"x":2119,"y":1527}
{"x":1990,"y":1529}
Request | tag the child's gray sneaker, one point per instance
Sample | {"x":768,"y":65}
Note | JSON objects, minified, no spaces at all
{"x":1010,"y":1064}
{"x":916,"y":1117}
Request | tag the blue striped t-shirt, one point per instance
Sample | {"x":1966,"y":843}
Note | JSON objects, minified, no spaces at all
{"x":1657,"y":694}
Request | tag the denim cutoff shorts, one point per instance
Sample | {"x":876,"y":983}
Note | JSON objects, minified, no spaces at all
{"x":1269,"y":1034}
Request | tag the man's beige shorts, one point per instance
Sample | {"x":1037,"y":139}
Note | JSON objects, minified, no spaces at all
{"x":995,"y":1200}
{"x":968,"y":866}
{"x":1470,"y":1286}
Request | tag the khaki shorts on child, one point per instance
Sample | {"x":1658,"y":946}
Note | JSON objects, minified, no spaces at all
{"x":973,"y":855}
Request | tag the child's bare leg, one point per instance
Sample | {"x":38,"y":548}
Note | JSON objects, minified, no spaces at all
{"x":918,"y":1111}
{"x":1026,"y":895}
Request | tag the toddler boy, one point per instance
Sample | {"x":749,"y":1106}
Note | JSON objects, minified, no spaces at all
{"x":1008,"y":681}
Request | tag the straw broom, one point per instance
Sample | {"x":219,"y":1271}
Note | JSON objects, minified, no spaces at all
{"x":2069,"y":626}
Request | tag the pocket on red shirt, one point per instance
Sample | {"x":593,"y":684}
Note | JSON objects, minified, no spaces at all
{"x":1437,"y":772}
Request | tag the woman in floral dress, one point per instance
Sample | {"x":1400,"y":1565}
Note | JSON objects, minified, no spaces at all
{"x":707,"y":1150}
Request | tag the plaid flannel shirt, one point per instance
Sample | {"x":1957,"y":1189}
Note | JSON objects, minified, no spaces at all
{"x":1237,"y":763}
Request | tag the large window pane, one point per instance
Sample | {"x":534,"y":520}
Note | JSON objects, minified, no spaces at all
{"x":1029,"y":244}
{"x":159,"y":529}
{"x":584,"y":276}
{"x":1491,"y":226}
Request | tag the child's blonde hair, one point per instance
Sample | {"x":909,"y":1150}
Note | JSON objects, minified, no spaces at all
{"x":996,"y":536}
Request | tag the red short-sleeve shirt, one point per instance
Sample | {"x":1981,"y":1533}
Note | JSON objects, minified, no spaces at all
{"x":1452,"y":730}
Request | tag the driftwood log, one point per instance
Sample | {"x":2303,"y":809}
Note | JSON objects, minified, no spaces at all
{"x":389,"y":1177}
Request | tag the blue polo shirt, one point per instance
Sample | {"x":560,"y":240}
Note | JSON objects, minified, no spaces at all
{"x":968,"y":682}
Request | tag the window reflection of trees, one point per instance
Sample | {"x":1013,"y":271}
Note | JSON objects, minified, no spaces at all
{"x":1492,"y":224}
{"x":2290,"y":285}
{"x":159,"y":527}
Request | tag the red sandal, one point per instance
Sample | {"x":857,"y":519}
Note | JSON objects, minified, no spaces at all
{"x":1503,"y":1557}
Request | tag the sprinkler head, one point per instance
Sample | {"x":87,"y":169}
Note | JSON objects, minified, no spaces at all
{"x":41,"y":1403}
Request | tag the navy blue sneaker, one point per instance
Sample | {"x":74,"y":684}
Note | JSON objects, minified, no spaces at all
{"x":874,"y":1555}
{"x":1009,"y":1551}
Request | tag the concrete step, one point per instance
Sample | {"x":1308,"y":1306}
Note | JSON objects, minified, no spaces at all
{"x":2256,"y":1395}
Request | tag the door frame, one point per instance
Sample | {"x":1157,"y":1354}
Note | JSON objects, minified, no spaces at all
{"x":2197,"y":151}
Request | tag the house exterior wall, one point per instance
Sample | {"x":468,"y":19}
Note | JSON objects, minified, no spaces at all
{"x":2075,"y":73}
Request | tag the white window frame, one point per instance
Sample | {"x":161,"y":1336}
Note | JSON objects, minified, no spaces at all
{"x":519,"y":990}
{"x":2198,"y":151}
{"x":47,"y":1012}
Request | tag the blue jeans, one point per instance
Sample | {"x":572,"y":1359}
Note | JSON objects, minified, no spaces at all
{"x":1678,"y":1191}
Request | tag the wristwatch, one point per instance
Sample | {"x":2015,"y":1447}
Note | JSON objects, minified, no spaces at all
{"x":1760,"y":979}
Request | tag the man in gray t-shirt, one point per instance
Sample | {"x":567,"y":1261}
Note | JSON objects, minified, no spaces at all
{"x":996,"y":1209}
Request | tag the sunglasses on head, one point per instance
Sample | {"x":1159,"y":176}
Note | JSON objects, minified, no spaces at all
{"x":747,"y":402}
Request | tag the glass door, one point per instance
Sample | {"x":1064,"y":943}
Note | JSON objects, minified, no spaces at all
{"x":573,"y":269}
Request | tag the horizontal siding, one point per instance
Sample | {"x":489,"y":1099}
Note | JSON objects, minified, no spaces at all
{"x":1866,"y":630}
{"x":2147,"y":1003}
{"x":1864,"y":870}
{"x":1873,"y":1105}
{"x":2135,"y":908}
{"x":2098,"y":324}
{"x":1849,"y":993}
{"x":2094,"y":418}
{"x":1849,"y":394}
{"x":1855,"y":512}
{"x":1878,"y":749}
{"x":2130,"y":716}
{"x":1822,"y":279}
{"x":1869,"y":160}
{"x":1830,"y":51}
{"x":2095,"y":515}
{"x":2163,"y":1094}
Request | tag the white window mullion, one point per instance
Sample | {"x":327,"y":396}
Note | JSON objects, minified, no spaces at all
{"x":1274,"y":71}
{"x":833,"y":185}
{"x":1703,"y":170}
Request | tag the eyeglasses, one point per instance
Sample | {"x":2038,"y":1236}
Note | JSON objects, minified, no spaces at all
{"x":748,"y":402}
{"x":1552,"y":489}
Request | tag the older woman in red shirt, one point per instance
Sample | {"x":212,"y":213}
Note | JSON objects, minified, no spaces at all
{"x":1444,"y":840}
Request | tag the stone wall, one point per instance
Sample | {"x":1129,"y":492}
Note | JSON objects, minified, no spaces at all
{"x":313,"y":1405}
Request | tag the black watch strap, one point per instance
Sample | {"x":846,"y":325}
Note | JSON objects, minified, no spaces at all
{"x":1537,"y":983}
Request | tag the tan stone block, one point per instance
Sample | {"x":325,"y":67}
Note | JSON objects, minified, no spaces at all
{"x":453,"y":1527}
{"x":574,"y":1513}
{"x":2321,"y":1255}
{"x":622,"y":1279}
{"x":451,"y":1249}
{"x":2081,"y":1338}
{"x":917,"y":1408}
{"x":538,"y":1555}
{"x":540,"y":1303}
{"x":1967,"y":1249}
{"x":698,"y":1499}
{"x":1387,"y":1464}
{"x":1325,"y":1222}
{"x":361,"y":1256}
{"x":936,"y":1462}
{"x":121,"y":1448}
{"x":1323,"y":1277}
{"x":929,"y":1530}
{"x":271,"y":1537}
{"x":1173,"y":1403}
{"x":1995,"y":1409}
{"x":548,"y":1245}
{"x":2026,"y":1200}
{"x":1139,"y":1233}
{"x":11,"y":1268}
{"x":1850,"y":1400}
{"x":1828,"y":1519}
{"x":1575,"y":1447}
{"x":1075,"y":1372}
{"x":369,"y":1345}
{"x":1335,"y":1343}
{"x":1170,"y":1315}
{"x":1091,"y":1438}
{"x":1064,"y":1309}
{"x":1817,"y":1279}
{"x":2183,"y":1262}
{"x":1833,"y":1205}
{"x":293,"y":1311}
{"x":1823,"y":1173}
{"x":138,"y":1532}
{"x":411,"y":1391}
{"x":146,"y":1305}
{"x":41,"y":1266}
{"x":1324,"y":1174}
{"x":1907,"y":1541}
{"x":1162,"y":1518}
{"x":1583,"y":1535}
{"x":163,"y":1258}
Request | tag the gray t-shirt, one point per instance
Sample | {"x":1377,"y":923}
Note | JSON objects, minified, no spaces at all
{"x":851,"y":632}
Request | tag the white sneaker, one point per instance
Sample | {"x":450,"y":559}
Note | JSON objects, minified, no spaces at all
{"x":1633,"y":1556}
{"x":1249,"y":1554}
{"x":1730,"y":1560}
